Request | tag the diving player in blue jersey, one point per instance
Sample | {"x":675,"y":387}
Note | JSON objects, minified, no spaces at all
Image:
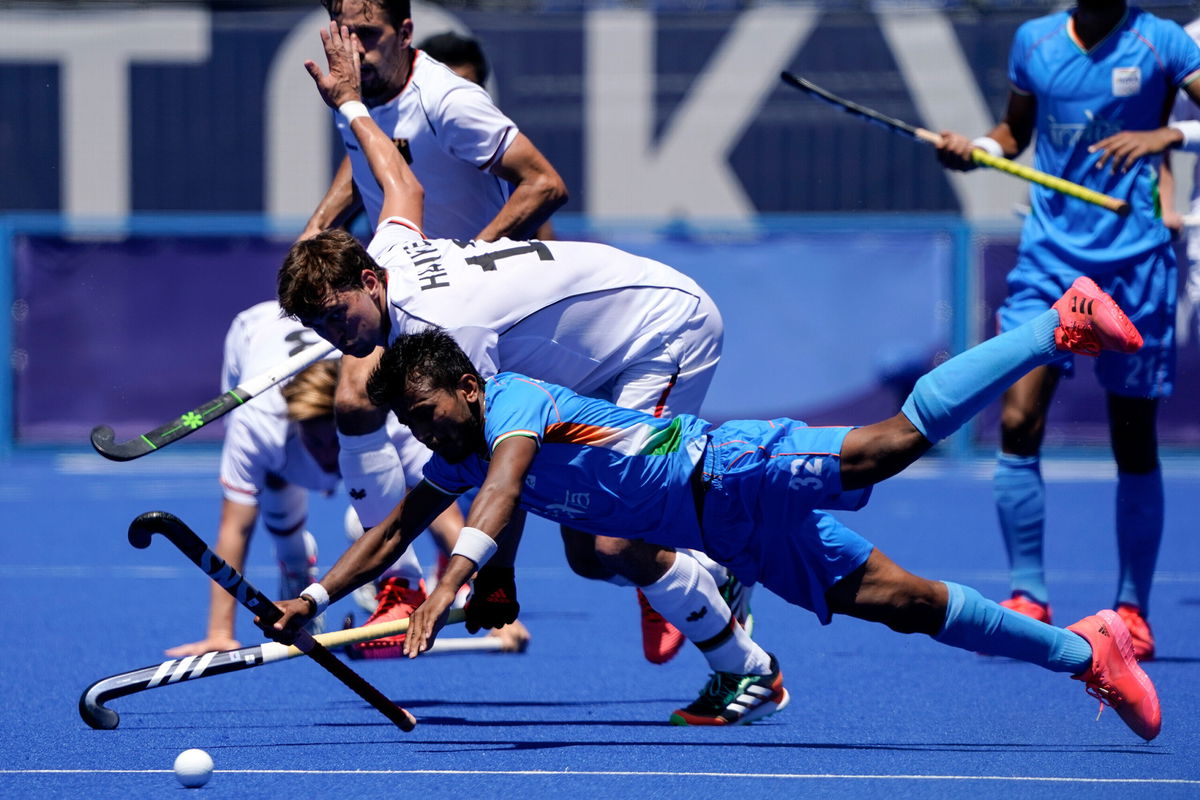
{"x":1096,"y":83}
{"x":751,"y":494}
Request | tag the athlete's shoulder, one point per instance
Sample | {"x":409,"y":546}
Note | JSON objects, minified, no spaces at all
{"x":439,"y":89}
{"x":1038,"y":28}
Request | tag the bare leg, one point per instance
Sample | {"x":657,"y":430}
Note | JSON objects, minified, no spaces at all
{"x":882,"y":591}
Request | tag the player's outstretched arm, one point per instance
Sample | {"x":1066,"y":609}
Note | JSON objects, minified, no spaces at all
{"x":490,"y":513}
{"x":364,"y":560}
{"x":340,"y":89}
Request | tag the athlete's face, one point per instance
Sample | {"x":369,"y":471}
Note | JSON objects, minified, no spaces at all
{"x":319,"y":437}
{"x":352,"y":320}
{"x":383,"y":50}
{"x":447,"y":422}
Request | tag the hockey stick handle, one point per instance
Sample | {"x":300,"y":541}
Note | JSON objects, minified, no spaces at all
{"x":104,"y":440}
{"x":979,"y":156}
{"x":97,"y":715}
{"x":232,"y":581}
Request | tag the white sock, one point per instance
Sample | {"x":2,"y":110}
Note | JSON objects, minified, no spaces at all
{"x":718,"y":572}
{"x":293,"y":551}
{"x":372,"y":473}
{"x":688,"y":597}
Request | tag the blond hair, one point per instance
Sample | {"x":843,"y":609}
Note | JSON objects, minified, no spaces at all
{"x":309,"y":395}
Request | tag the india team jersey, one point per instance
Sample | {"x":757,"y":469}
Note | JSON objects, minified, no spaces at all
{"x":450,"y":132}
{"x":1125,"y":83}
{"x":599,"y":468}
{"x":572,"y":313}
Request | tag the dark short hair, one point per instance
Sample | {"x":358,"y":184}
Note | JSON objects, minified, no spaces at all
{"x":332,"y":261}
{"x":429,"y":358}
{"x":397,"y":10}
{"x":453,"y":49}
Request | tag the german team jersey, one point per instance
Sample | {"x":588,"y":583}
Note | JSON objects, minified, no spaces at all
{"x":260,"y":440}
{"x":1124,"y":83}
{"x":599,"y":468}
{"x":450,"y":133}
{"x":572,"y":313}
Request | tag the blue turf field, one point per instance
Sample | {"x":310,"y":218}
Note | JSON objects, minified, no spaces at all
{"x":873,"y":714}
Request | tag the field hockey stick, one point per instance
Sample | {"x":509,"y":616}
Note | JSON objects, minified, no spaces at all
{"x":979,"y":156}
{"x":104,"y":440}
{"x":177,"y":670}
{"x":232,"y":581}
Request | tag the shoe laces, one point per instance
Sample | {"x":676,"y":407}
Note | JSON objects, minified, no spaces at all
{"x":1081,"y":340}
{"x":392,"y":594}
{"x":1107,"y":695}
{"x":721,"y":684}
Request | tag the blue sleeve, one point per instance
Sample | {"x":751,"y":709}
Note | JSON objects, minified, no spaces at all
{"x":446,"y":478}
{"x":1018,"y":54}
{"x":518,"y":406}
{"x":1180,"y":53}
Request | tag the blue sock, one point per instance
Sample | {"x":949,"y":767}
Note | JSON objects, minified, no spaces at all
{"x":977,"y":624}
{"x":956,"y":390}
{"x":1021,"y":506}
{"x":1139,"y":533}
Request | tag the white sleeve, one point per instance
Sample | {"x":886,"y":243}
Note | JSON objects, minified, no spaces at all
{"x":249,"y":452}
{"x":387,"y":245}
{"x":470,"y":127}
{"x":482,"y":346}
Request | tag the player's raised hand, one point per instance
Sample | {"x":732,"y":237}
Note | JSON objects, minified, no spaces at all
{"x":342,"y":84}
{"x":427,"y":620}
{"x":1122,"y":150}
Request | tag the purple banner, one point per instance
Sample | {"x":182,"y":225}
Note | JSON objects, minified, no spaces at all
{"x":127,"y":332}
{"x":1078,"y":414}
{"x":830,"y":327}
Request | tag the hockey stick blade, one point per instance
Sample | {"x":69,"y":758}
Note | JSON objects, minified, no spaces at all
{"x":92,"y":703}
{"x":104,"y":439}
{"x":233,"y":582}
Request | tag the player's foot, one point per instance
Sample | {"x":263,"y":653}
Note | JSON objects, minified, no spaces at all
{"x":1090,"y":321}
{"x":294,"y":579}
{"x":1115,"y":679}
{"x":1139,"y":631}
{"x":1024,"y":604}
{"x":732,"y":699}
{"x":737,"y":596}
{"x":661,"y":640}
{"x":395,"y":602}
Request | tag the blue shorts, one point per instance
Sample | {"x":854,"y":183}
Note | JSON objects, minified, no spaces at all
{"x":1145,"y":291}
{"x":765,"y":482}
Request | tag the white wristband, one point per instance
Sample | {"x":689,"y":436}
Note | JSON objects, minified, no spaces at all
{"x":353,"y":109}
{"x":475,"y":545}
{"x":1190,"y":129}
{"x":989,"y":145}
{"x":316,"y":592}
